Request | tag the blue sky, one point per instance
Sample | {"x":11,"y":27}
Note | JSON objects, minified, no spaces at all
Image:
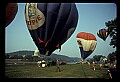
{"x":92,"y":17}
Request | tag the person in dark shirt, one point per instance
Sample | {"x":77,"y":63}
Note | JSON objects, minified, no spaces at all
{"x":113,"y":73}
{"x":58,"y":65}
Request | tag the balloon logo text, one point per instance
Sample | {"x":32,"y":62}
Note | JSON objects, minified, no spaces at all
{"x":34,"y":17}
{"x":33,"y":22}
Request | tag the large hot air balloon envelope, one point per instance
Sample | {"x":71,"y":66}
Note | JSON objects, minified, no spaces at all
{"x":50,"y":24}
{"x":103,"y":33}
{"x":87,"y":43}
{"x":11,"y":11}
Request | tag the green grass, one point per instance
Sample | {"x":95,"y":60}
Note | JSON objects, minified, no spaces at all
{"x":67,"y":71}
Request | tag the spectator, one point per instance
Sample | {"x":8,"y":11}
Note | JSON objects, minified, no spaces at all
{"x":39,"y":63}
{"x":113,"y":73}
{"x":93,"y":65}
{"x":58,"y":64}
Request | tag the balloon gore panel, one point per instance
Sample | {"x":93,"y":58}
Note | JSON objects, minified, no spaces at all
{"x":50,"y":24}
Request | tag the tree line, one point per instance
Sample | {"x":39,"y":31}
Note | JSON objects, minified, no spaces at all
{"x":112,"y":30}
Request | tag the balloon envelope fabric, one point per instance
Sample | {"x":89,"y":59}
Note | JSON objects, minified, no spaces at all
{"x":11,"y":11}
{"x":50,"y":24}
{"x":103,"y":33}
{"x":87,"y":43}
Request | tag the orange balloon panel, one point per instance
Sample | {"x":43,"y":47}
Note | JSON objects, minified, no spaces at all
{"x":86,"y":36}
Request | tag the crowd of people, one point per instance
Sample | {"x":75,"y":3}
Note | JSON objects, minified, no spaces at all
{"x":44,"y":64}
{"x":112,"y":70}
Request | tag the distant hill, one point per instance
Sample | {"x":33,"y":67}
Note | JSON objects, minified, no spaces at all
{"x":21,"y":53}
{"x":52,"y":56}
{"x":65,"y":58}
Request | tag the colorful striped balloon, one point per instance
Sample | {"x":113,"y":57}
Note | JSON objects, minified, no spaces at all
{"x":103,"y":33}
{"x":87,"y":43}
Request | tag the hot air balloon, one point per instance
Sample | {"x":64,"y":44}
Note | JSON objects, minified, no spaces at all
{"x":11,"y":11}
{"x":50,"y":24}
{"x":103,"y":58}
{"x":103,"y":33}
{"x":87,"y":43}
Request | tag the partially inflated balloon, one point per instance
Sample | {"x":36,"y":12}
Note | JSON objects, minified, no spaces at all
{"x":36,"y":52}
{"x":87,"y":43}
{"x":50,"y":24}
{"x":103,"y":33}
{"x":104,"y":58}
{"x":11,"y":11}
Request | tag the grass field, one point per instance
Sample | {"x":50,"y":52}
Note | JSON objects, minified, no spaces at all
{"x":67,"y":71}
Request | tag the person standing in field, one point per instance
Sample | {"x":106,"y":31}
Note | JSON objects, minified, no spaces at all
{"x":58,"y":65}
{"x":88,"y":63}
{"x":39,"y":63}
{"x":43,"y":63}
{"x":93,"y":65}
{"x":100,"y":64}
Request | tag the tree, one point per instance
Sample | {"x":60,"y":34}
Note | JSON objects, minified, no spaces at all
{"x":97,"y":57}
{"x":7,"y":56}
{"x":112,"y":57}
{"x":112,"y":28}
{"x":29,"y":57}
{"x":91,"y":60}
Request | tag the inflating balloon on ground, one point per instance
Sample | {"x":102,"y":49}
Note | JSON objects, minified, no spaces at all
{"x":50,"y":24}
